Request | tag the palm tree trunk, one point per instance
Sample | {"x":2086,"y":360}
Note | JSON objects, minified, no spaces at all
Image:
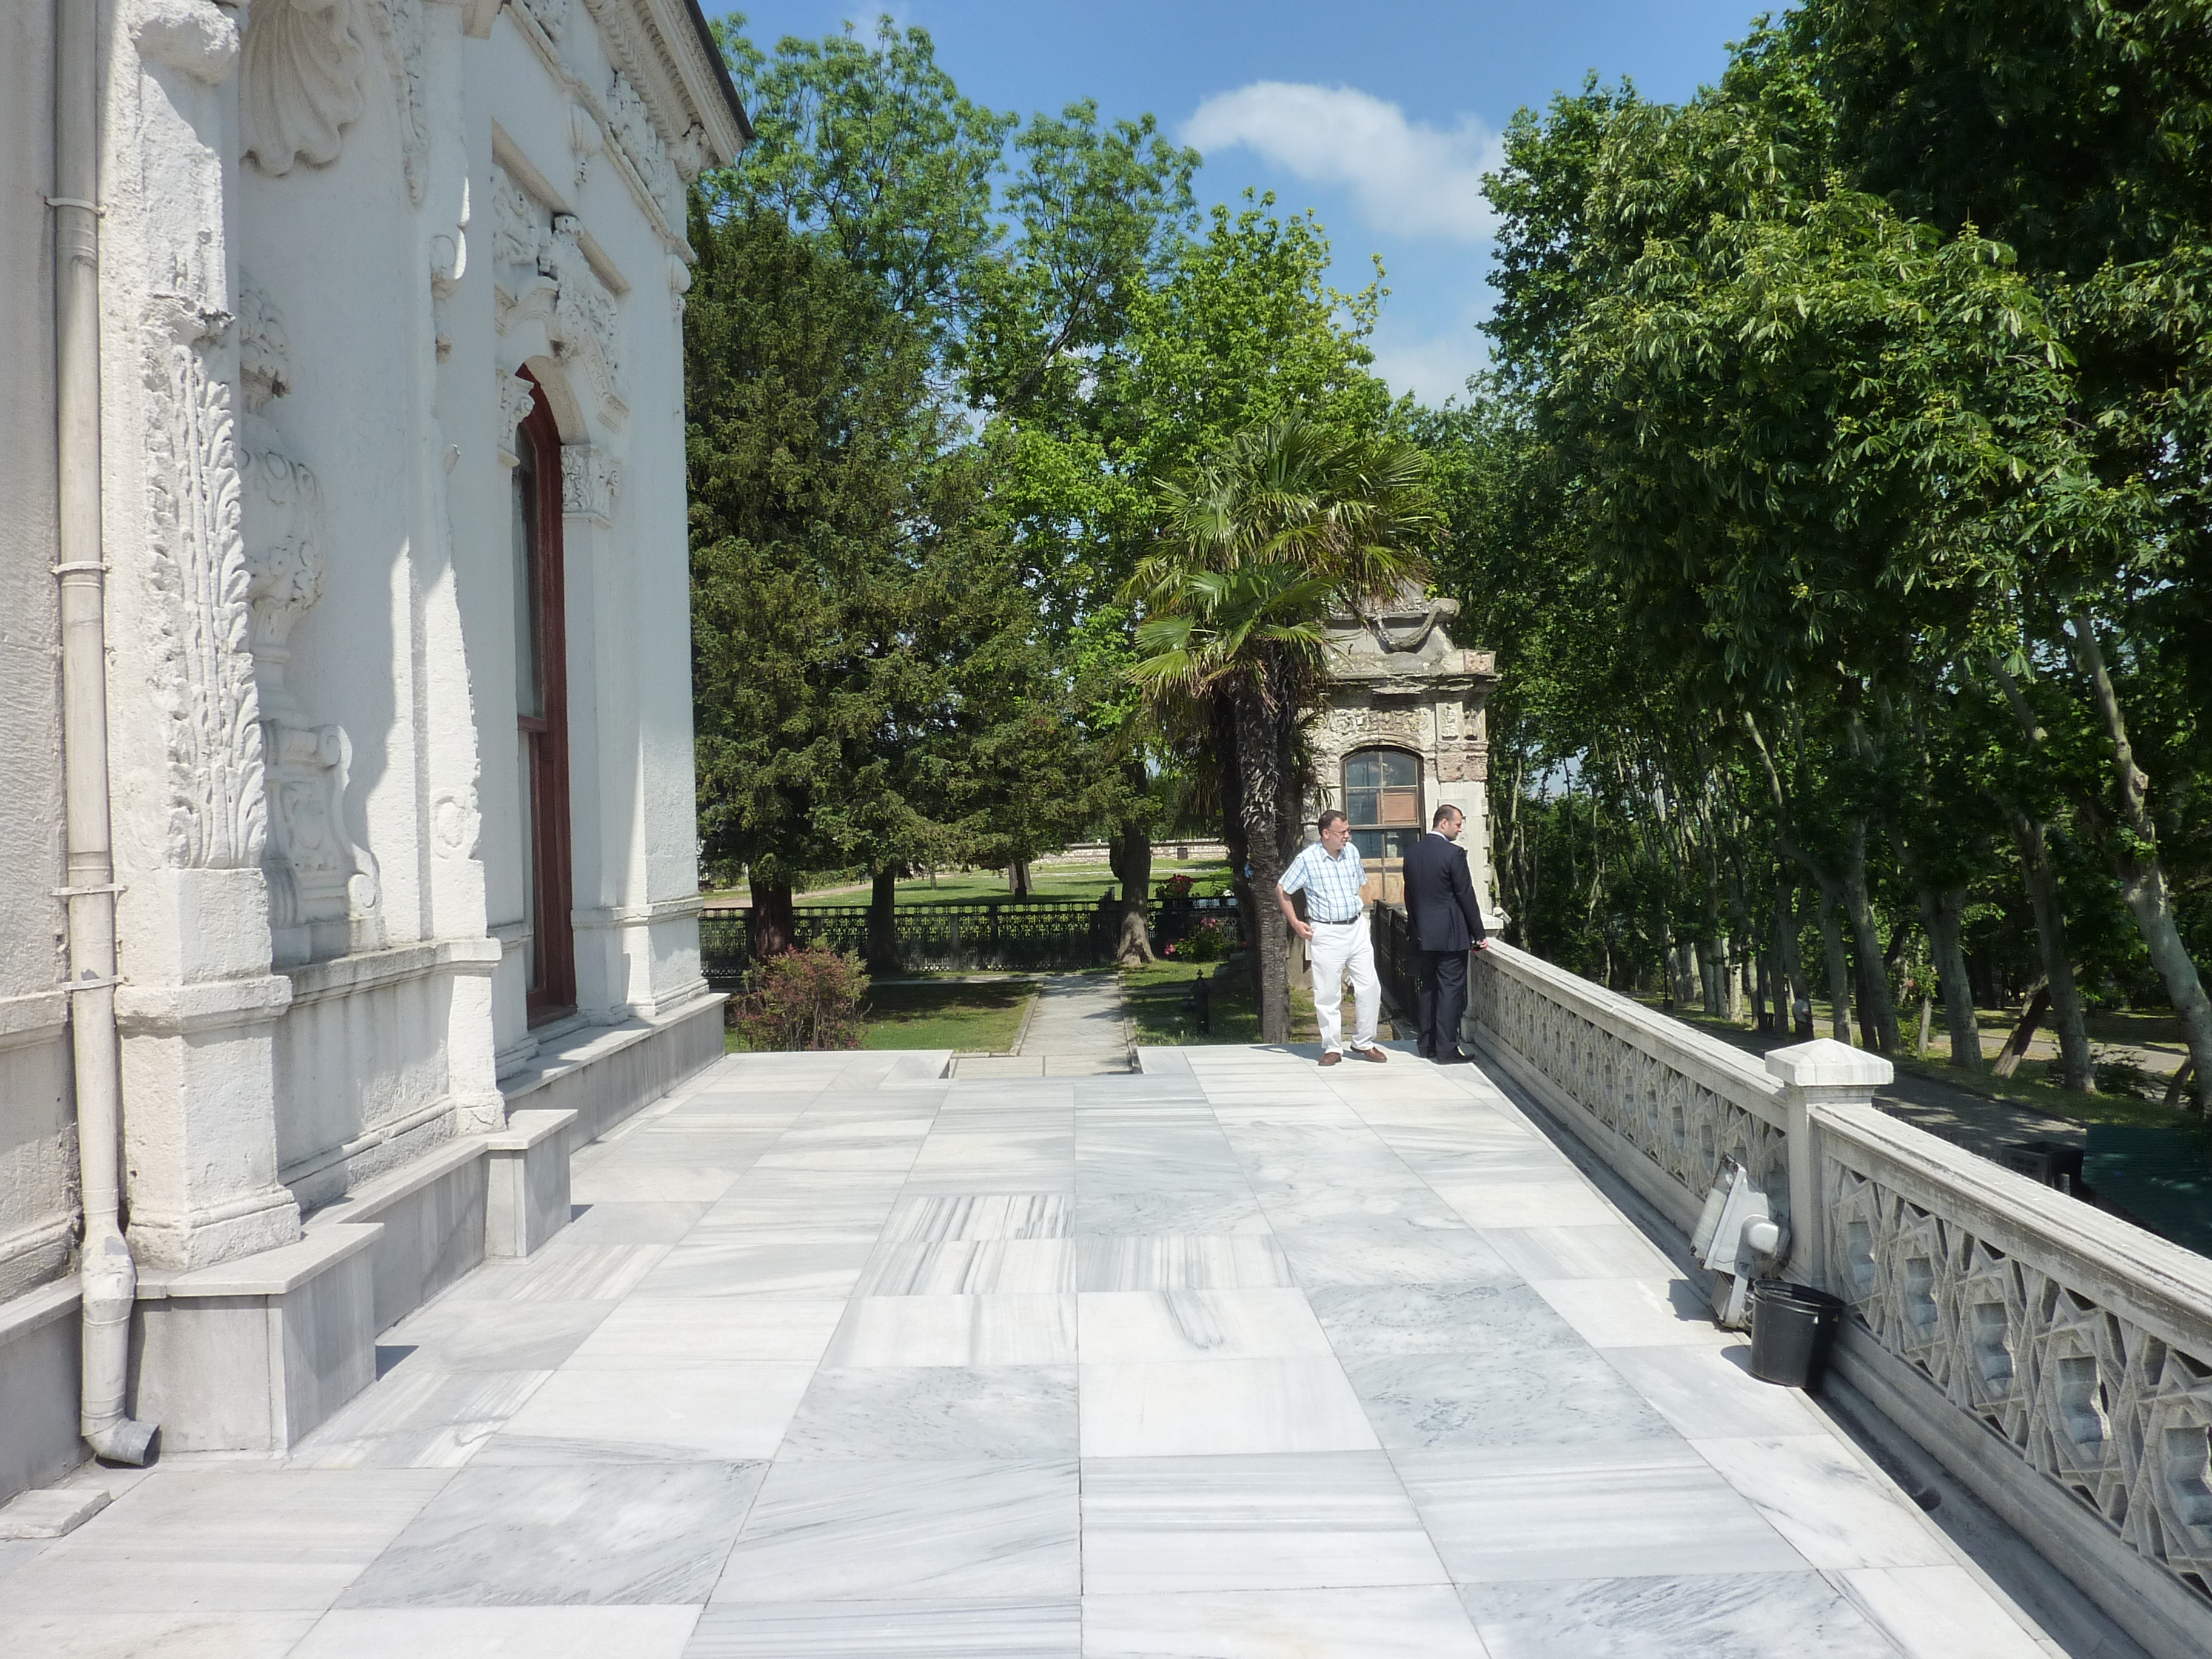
{"x":1259,"y":756}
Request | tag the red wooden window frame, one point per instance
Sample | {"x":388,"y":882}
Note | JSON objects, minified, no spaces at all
{"x":545,"y":736}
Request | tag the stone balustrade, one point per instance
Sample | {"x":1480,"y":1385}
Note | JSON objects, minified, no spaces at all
{"x":2055,"y":1359}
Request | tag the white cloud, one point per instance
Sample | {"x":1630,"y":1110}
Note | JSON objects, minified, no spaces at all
{"x":1433,"y":367}
{"x":1407,"y":177}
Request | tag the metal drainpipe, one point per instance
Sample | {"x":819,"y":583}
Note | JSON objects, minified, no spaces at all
{"x":109,"y":1277}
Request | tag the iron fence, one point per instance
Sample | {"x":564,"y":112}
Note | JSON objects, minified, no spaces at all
{"x":989,"y":935}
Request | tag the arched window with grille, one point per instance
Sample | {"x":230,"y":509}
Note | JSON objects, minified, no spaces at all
{"x":541,"y":699}
{"x":1382,"y":798}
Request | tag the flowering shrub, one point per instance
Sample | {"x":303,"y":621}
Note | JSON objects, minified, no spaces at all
{"x":1176,"y":887}
{"x":1207,"y":942}
{"x":808,"y":999}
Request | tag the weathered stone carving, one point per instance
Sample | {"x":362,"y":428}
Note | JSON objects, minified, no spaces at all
{"x":199,"y":575}
{"x":515,"y":397}
{"x":322,"y":885}
{"x":191,"y":35}
{"x":585,"y":140}
{"x":640,"y":141}
{"x":551,"y":15}
{"x":2117,"y":1417}
{"x":399,"y":29}
{"x":299,"y":83}
{"x":589,"y":479}
{"x":455,"y":823}
{"x":554,"y":283}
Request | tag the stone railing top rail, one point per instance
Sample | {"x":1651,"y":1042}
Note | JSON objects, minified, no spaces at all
{"x":2164,"y":1287}
{"x":1704,"y":1059}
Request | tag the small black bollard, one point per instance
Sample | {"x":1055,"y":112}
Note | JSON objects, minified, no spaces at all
{"x":1201,"y":1002}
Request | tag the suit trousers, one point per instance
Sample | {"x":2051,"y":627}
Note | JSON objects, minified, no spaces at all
{"x":1344,"y":950}
{"x":1443,"y":1000}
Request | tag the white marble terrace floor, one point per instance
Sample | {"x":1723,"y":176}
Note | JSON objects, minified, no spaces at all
{"x":1233,"y":1357}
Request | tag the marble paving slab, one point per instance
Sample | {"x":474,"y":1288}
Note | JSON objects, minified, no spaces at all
{"x":1614,"y":1250}
{"x":1416,"y":1622}
{"x":1636,"y":1313}
{"x":420,"y":1419}
{"x":224,"y":1540}
{"x":1160,"y":1327}
{"x":1535,"y":1397}
{"x":1135,"y":1209}
{"x":1827,"y":1501}
{"x":1222,"y":1406}
{"x":1320,"y":1520}
{"x":563,"y":1270}
{"x":950,"y":1628}
{"x":633,"y":1222}
{"x":1648,"y":1508}
{"x":171,"y":1636}
{"x":1388,"y":1250}
{"x":451,"y":1335}
{"x":1704,"y":1616}
{"x":727,"y":1411}
{"x":937,"y":1219}
{"x":645,"y":1334}
{"x":1705,"y":1400}
{"x":729,"y":1263}
{"x":971,"y":1266}
{"x":605,"y":1534}
{"x":1177,"y":1261}
{"x":1485,"y":1203}
{"x":935,"y":1412}
{"x":955,"y":1330}
{"x":832,"y":1531}
{"x":1937,"y":1612}
{"x":1368,"y":1321}
{"x":567,"y":1632}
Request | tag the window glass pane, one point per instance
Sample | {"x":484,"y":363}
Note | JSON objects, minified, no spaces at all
{"x":1361,"y":806}
{"x":1399,"y":768}
{"x":1369,"y":842}
{"x":529,"y":682}
{"x":1363,"y":770}
{"x":1396,"y":841}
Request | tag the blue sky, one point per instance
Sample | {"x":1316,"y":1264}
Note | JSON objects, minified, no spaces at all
{"x":1378,"y":116}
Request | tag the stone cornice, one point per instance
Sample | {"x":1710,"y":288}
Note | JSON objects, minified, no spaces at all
{"x":662,"y":47}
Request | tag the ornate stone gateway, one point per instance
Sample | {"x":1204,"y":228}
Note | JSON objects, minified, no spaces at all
{"x":1404,"y":733}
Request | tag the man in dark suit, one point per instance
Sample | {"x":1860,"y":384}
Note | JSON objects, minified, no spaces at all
{"x":1446,"y":923}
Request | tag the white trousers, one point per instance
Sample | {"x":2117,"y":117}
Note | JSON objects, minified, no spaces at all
{"x":1342,"y":950}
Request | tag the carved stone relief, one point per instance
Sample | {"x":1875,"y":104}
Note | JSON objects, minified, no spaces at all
{"x":300,"y":82}
{"x":541,"y":272}
{"x":198,"y":572}
{"x":551,"y":15}
{"x":322,"y":885}
{"x":634,"y":131}
{"x":586,"y":141}
{"x":589,"y":479}
{"x":399,"y":28}
{"x":515,"y":397}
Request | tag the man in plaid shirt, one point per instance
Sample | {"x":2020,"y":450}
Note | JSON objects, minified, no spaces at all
{"x":1329,"y":872}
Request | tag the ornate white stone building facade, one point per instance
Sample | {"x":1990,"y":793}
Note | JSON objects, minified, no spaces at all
{"x":391,"y":509}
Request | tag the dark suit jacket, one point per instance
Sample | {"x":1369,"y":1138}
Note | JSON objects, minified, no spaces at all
{"x":1440,"y":896}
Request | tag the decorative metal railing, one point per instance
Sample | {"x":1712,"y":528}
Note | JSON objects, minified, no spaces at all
{"x":2057,"y":1358}
{"x":1394,"y":960}
{"x":1011,"y":935}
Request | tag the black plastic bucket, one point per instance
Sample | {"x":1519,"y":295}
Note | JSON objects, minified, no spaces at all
{"x":1791,"y":1328}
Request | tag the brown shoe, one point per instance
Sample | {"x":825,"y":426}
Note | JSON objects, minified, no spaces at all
{"x":1374,"y":1052}
{"x":1331,"y":1058}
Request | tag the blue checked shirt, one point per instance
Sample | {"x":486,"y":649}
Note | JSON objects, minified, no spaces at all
{"x":1331,"y":884}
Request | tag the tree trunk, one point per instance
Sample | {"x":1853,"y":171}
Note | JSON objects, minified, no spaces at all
{"x":2042,"y":881}
{"x":1940,"y":913}
{"x":1131,"y":857}
{"x":1785,"y":947}
{"x":1017,"y":878}
{"x":1257,"y":757}
{"x":774,"y":928}
{"x":1221,"y":710}
{"x":1839,"y":972}
{"x":2142,"y":875}
{"x":2016,"y":1045}
{"x":882,"y":922}
{"x":1881,"y":1014}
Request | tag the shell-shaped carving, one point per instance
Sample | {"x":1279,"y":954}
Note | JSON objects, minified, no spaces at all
{"x":300,"y":82}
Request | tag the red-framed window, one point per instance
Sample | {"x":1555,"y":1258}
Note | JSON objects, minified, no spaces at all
{"x":541,"y":701}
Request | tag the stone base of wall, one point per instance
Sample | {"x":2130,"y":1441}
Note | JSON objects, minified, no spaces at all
{"x":252,"y":1355}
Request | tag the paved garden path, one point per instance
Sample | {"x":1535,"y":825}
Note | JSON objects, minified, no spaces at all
{"x":1078,"y":1029}
{"x":842,"y":1360}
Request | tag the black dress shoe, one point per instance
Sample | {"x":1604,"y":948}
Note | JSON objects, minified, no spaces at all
{"x":1455,"y":1058}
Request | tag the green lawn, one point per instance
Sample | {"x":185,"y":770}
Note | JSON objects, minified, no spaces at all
{"x":1158,"y":998}
{"x":983,"y":1017}
{"x":1058,"y":881}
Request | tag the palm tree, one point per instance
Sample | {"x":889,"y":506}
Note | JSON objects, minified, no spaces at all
{"x":1258,"y":545}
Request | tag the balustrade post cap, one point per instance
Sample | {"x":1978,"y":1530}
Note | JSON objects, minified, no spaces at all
{"x":1824,"y":1063}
